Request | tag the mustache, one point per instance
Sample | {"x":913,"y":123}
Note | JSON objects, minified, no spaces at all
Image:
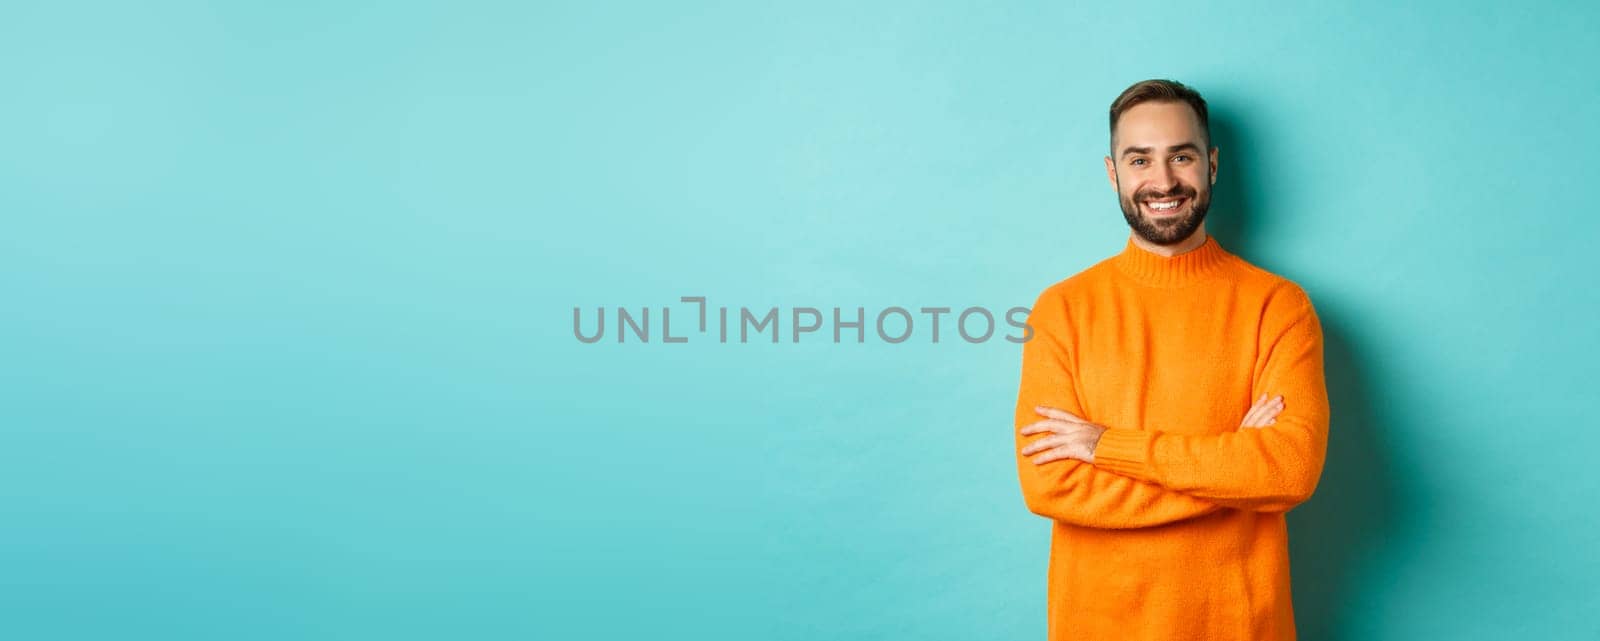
{"x":1179,"y":192}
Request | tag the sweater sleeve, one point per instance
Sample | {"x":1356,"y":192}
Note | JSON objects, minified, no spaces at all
{"x":1073,"y":491}
{"x":1268,"y":469}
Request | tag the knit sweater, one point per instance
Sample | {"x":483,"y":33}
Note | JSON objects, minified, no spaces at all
{"x":1176,"y":531}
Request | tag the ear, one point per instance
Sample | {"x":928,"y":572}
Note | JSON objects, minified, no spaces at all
{"x":1111,"y":173}
{"x":1213,"y":165}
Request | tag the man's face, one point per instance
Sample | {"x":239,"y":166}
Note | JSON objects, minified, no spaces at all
{"x":1162,"y":171}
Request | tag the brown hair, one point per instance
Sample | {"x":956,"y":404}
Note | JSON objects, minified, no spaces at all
{"x":1159,"y":90}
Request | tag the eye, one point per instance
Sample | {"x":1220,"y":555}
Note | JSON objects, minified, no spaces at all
{"x":1137,"y":161}
{"x":1181,"y":157}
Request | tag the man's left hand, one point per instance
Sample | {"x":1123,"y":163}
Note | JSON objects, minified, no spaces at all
{"x":1072,"y":437}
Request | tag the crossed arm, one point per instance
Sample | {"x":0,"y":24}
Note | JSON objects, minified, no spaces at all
{"x":1124,"y":477}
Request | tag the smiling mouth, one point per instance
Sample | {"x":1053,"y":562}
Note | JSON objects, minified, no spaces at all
{"x":1161,"y":208}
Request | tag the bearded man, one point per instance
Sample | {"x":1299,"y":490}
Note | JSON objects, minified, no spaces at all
{"x":1172,"y":408}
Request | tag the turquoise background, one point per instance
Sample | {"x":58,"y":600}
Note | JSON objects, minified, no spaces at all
{"x":288,"y":299}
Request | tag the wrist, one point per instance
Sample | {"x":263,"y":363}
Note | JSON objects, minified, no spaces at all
{"x":1094,"y":442}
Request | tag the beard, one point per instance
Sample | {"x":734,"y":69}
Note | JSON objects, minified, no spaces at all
{"x":1170,"y":230}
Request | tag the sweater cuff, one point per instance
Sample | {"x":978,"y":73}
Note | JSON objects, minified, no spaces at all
{"x":1126,"y":452}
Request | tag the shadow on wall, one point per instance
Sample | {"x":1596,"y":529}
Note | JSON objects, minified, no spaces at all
{"x":1229,"y":218}
{"x":1333,"y":537}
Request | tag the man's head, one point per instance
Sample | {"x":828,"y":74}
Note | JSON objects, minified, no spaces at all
{"x":1161,"y":156}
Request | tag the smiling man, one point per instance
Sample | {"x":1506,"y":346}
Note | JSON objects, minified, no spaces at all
{"x":1172,"y":408}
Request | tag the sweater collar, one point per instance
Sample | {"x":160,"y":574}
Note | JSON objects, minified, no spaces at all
{"x":1192,"y":266}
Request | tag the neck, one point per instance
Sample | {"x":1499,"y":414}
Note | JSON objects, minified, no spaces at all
{"x":1194,"y":240}
{"x":1196,"y":260}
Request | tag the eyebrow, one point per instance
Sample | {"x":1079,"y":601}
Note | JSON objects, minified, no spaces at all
{"x":1145,"y":150}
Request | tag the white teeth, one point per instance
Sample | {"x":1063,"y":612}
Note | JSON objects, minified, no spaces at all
{"x":1162,"y":206}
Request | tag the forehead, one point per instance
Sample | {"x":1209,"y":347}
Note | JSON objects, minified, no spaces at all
{"x":1158,"y":124}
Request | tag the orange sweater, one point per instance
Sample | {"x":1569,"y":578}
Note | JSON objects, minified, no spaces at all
{"x":1176,"y":531}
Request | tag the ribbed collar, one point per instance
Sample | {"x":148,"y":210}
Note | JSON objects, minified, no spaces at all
{"x":1190,"y":267}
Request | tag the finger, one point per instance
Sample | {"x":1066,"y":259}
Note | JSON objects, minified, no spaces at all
{"x":1046,"y":425}
{"x":1043,"y":444}
{"x":1273,"y":408}
{"x":1030,"y":428}
{"x":1058,"y":414}
{"x":1255,"y":415}
{"x":1251,"y":416}
{"x":1269,"y":414}
{"x":1054,"y":454}
{"x":1273,"y":403}
{"x":1040,"y":445}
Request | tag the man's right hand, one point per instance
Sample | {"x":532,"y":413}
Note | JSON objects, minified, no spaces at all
{"x":1263,"y":413}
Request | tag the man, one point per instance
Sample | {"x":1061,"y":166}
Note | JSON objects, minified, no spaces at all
{"x":1172,"y":408}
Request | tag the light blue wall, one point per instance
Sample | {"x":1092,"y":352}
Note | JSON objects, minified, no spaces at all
{"x":289,"y":294}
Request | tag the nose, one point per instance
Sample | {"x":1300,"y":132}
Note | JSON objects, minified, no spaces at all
{"x":1168,"y":178}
